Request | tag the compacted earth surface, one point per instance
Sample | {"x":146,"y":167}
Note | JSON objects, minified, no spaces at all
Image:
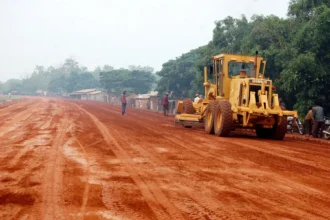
{"x":65,"y":159}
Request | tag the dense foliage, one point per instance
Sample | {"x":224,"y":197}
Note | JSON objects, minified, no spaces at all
{"x":296,"y":48}
{"x":133,"y":80}
{"x":71,"y":77}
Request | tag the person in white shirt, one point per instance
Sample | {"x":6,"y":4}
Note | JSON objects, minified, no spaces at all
{"x":196,"y":98}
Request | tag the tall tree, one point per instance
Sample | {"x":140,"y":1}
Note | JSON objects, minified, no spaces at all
{"x":123,"y":79}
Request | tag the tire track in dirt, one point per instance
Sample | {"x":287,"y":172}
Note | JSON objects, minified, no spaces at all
{"x":52,"y":208}
{"x":21,"y":164}
{"x":16,"y":118}
{"x":87,"y":185}
{"x":201,"y":175}
{"x":207,"y":206}
{"x":178,"y":141}
{"x":14,"y":107}
{"x":29,"y":124}
{"x":211,"y":208}
{"x":149,"y":190}
{"x":253,"y":145}
{"x":314,"y":210}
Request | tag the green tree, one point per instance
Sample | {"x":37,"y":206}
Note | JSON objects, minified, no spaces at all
{"x":130,"y":80}
{"x":177,"y":75}
{"x":307,"y":75}
{"x":81,"y":81}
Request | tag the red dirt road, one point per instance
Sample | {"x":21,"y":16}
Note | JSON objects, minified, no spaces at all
{"x":63,"y":159}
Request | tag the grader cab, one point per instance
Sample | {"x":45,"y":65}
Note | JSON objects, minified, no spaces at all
{"x":237,"y":95}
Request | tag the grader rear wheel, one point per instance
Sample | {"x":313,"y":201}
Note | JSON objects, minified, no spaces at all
{"x":187,"y":107}
{"x":223,"y":119}
{"x":208,"y":120}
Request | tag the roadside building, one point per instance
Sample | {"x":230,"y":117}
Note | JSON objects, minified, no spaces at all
{"x":141,"y":101}
{"x":147,"y":101}
{"x":99,"y":96}
{"x":81,"y":94}
{"x":90,"y":94}
{"x":131,"y":100}
{"x":153,"y":100}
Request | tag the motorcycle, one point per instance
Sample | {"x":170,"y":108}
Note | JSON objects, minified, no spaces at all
{"x":295,"y":124}
{"x":326,"y":131}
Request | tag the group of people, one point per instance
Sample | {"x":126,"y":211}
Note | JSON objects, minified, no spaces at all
{"x":165,"y":103}
{"x":314,"y":120}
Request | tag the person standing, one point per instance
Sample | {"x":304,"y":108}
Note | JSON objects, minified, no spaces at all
{"x":318,"y":114}
{"x":165,"y":104}
{"x":123,"y":103}
{"x":308,"y":123}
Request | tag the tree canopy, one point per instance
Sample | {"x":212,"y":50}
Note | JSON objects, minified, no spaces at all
{"x":138,"y":80}
{"x":71,"y":76}
{"x":296,"y":49}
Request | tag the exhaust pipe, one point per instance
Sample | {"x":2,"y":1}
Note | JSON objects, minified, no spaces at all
{"x":255,"y":65}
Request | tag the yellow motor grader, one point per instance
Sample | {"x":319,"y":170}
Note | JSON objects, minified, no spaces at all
{"x":237,"y":95}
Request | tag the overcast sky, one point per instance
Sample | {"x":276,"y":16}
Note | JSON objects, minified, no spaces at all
{"x":114,"y":32}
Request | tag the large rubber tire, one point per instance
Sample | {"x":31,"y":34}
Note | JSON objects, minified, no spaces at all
{"x":208,"y":120}
{"x":187,"y":107}
{"x":279,"y":130}
{"x":223,"y":119}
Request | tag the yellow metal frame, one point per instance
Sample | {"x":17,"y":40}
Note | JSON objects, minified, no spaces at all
{"x":236,"y":90}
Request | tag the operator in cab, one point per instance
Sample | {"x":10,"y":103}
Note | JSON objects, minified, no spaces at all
{"x":197,"y":98}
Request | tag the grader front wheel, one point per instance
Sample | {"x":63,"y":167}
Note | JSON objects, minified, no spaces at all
{"x":188,"y":107}
{"x":223,"y":119}
{"x":208,"y":121}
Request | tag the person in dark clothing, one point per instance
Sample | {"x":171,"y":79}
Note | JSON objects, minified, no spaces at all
{"x":318,"y":114}
{"x":308,"y":123}
{"x":123,"y":103}
{"x":165,"y":104}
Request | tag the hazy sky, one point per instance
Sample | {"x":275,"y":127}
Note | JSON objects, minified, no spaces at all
{"x":118,"y":33}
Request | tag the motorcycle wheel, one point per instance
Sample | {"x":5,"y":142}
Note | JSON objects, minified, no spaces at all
{"x":326,"y":136}
{"x":300,"y":127}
